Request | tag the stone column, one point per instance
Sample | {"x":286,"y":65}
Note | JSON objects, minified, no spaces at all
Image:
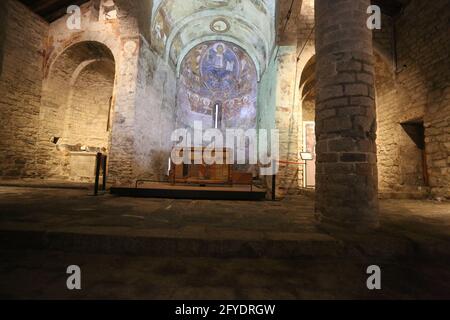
{"x":347,"y":186}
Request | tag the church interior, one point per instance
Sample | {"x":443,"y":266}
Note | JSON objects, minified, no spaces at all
{"x":355,"y":95}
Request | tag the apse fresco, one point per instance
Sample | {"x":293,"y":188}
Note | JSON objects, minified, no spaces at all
{"x":218,"y":79}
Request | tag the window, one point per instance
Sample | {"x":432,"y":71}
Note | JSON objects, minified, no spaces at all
{"x":217,"y":115}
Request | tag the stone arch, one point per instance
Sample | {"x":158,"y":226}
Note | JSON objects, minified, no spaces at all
{"x":308,"y":78}
{"x":76,"y":113}
{"x":109,"y":44}
{"x":307,"y":92}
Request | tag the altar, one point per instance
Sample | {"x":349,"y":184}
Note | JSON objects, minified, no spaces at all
{"x":202,"y":174}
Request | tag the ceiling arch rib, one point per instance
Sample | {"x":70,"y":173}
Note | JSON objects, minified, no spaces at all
{"x":178,"y":24}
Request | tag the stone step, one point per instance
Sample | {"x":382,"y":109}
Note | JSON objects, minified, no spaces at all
{"x":229,"y":244}
{"x":219,"y":244}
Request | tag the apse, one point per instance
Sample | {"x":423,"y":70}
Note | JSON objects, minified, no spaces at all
{"x":218,"y":87}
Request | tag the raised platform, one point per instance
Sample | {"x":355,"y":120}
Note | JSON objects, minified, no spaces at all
{"x":180,"y":191}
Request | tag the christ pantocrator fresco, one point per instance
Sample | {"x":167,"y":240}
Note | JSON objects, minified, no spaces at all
{"x":218,"y":73}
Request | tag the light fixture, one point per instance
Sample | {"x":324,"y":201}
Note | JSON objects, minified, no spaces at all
{"x":306,"y":156}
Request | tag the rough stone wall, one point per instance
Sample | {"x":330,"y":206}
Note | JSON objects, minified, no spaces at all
{"x":266,"y":105}
{"x":143,"y":93}
{"x":286,"y":119}
{"x":306,"y":47}
{"x":400,"y":166}
{"x":296,"y":49}
{"x":416,"y":90}
{"x":383,"y":39}
{"x":437,"y":132}
{"x":155,"y":115}
{"x":267,"y":96}
{"x":78,"y":83}
{"x":20,"y":89}
{"x":423,"y":52}
{"x":3,"y":25}
{"x":86,"y":119}
{"x":309,"y":110}
{"x":74,"y":107}
{"x":117,"y":40}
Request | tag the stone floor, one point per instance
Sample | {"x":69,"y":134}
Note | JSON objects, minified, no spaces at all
{"x":42,"y":274}
{"x":58,"y":208}
{"x":247,"y":249}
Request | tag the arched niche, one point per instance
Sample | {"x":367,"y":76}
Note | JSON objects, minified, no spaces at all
{"x":76,"y":112}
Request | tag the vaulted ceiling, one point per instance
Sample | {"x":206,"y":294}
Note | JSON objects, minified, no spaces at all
{"x":179,"y":25}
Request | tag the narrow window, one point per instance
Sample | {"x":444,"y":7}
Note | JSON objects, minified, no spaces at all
{"x":108,"y":124}
{"x":217,"y":115}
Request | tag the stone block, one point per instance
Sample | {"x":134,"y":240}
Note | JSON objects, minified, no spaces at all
{"x":353,"y":157}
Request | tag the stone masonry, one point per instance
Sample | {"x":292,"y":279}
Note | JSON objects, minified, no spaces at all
{"x":107,"y":87}
{"x":346,"y":191}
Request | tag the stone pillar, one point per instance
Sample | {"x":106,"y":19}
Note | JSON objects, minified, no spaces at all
{"x":347,"y":186}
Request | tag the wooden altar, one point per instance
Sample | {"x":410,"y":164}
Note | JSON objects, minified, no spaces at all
{"x":202,"y":174}
{"x":198,"y":181}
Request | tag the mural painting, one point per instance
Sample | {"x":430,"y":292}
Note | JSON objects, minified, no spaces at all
{"x":217,"y":75}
